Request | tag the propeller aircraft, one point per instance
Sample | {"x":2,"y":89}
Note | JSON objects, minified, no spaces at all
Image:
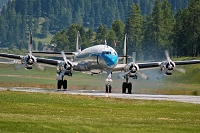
{"x":96,"y":60}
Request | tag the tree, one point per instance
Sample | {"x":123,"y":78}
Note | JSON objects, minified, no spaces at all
{"x":45,"y":28}
{"x":38,"y":9}
{"x":72,"y":34}
{"x":193,"y":27}
{"x":133,"y":28}
{"x":3,"y":30}
{"x":101,"y":34}
{"x":61,"y":40}
{"x":111,"y":37}
{"x":90,"y":35}
{"x":178,"y":31}
{"x":168,"y":25}
{"x":40,"y":46}
{"x":118,"y":28}
{"x":157,"y":30}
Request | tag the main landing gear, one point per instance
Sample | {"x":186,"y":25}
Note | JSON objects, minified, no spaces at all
{"x":62,"y":83}
{"x":127,"y":85}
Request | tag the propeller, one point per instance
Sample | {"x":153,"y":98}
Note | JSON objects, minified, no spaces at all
{"x":133,"y":67}
{"x":66,"y":66}
{"x":29,"y":60}
{"x":20,"y":66}
{"x":169,"y":65}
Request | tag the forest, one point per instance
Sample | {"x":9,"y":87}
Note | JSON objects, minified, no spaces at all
{"x":151,"y":26}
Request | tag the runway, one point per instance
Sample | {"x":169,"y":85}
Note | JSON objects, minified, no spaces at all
{"x":178,"y":98}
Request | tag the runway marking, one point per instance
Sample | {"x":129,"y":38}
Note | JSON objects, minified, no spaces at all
{"x":178,"y":98}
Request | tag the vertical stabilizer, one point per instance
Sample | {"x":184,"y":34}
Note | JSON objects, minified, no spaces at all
{"x":78,"y":47}
{"x":125,"y":49}
{"x":30,"y":46}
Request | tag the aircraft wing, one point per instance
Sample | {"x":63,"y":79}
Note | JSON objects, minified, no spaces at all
{"x":187,"y":62}
{"x":11,"y":56}
{"x":121,"y":67}
{"x":51,"y":62}
{"x":54,"y":54}
{"x":48,"y":62}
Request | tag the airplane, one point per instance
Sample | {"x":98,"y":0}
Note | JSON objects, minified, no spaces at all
{"x":96,"y":60}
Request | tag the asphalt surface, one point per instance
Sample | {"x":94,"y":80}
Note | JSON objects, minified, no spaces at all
{"x":178,"y":98}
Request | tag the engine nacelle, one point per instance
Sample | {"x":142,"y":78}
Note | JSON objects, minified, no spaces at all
{"x":82,"y":66}
{"x":64,"y":66}
{"x":29,"y":60}
{"x":132,"y":66}
{"x":167,"y":65}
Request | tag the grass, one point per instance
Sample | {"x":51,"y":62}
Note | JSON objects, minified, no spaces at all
{"x":38,"y":112}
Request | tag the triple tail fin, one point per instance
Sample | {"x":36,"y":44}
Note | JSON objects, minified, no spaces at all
{"x":125,"y":50}
{"x":30,"y":46}
{"x":78,"y":46}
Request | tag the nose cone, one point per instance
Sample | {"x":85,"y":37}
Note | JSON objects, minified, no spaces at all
{"x":111,"y":60}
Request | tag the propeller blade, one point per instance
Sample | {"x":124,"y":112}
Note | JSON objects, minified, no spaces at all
{"x":20,"y":66}
{"x":40,"y":67}
{"x":162,"y":74}
{"x":167,"y":55}
{"x":123,"y":74}
{"x":61,"y":74}
{"x":64,"y":57}
{"x":133,"y":57}
{"x":180,"y":70}
{"x":142,"y":75}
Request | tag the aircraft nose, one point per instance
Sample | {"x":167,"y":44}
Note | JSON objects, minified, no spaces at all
{"x":111,"y":60}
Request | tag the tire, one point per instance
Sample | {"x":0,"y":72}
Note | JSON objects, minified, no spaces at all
{"x":129,"y":88}
{"x":65,"y":84}
{"x":110,"y":88}
{"x":106,"y":88}
{"x":59,"y":84}
{"x":124,"y":87}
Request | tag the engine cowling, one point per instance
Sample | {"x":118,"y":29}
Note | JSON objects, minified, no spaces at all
{"x":28,"y":61}
{"x":65,"y":66}
{"x":167,"y":65}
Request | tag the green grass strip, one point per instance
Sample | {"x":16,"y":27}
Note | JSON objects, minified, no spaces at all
{"x":51,"y":112}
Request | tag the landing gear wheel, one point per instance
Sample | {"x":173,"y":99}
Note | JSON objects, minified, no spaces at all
{"x":127,"y":85}
{"x":108,"y":88}
{"x":124,"y":87}
{"x":65,"y":84}
{"x":129,"y":88}
{"x":59,"y":84}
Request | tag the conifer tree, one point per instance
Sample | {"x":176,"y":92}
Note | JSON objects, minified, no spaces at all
{"x":133,"y":28}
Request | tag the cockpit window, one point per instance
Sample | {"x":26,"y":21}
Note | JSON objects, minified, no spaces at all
{"x":113,"y":53}
{"x":107,"y":52}
{"x":110,"y":52}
